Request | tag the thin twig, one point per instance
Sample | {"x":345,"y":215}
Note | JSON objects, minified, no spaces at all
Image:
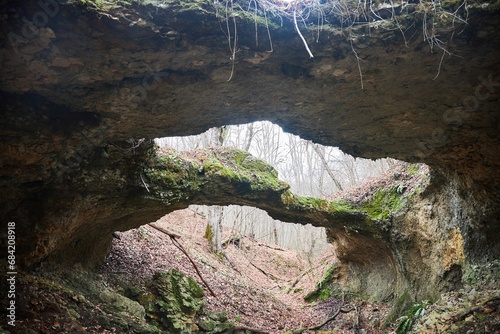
{"x":231,"y":263}
{"x":269,"y":246}
{"x":232,"y":48}
{"x":440,"y":63}
{"x":145,"y":185}
{"x":302,"y":275}
{"x":233,"y":56}
{"x":250,"y":329}
{"x":271,"y":276}
{"x":268,"y":32}
{"x":359,"y":65}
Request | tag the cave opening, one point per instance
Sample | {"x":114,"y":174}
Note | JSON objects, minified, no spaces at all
{"x":246,"y":245}
{"x":310,"y":169}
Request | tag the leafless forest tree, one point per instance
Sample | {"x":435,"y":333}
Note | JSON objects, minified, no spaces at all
{"x":310,"y":169}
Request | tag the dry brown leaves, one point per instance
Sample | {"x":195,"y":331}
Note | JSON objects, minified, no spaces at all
{"x":252,"y":281}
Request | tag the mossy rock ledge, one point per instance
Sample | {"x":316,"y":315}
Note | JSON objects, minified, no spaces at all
{"x":223,"y":176}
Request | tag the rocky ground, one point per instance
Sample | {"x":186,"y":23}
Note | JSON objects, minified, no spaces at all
{"x":471,"y":310}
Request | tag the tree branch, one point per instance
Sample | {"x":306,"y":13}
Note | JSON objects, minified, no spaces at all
{"x":170,"y":234}
{"x":327,"y":168}
{"x":340,"y":310}
{"x":176,"y":243}
{"x":313,"y":328}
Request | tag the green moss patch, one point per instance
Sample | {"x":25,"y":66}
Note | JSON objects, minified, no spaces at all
{"x":170,"y":176}
{"x":241,"y":166}
{"x":383,"y":203}
{"x":213,"y":322}
{"x":342,"y":206}
{"x":304,"y":203}
{"x":175,"y":301}
{"x":326,"y":288}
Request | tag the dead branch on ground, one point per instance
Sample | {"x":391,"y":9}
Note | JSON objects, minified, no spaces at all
{"x":269,"y":246}
{"x":271,"y":276}
{"x":491,"y":301}
{"x":340,"y":310}
{"x":167,"y":232}
{"x":313,"y":328}
{"x":250,"y":329}
{"x":231,"y":263}
{"x":298,"y":279}
{"x":176,"y":243}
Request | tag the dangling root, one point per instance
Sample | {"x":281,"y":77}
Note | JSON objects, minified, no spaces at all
{"x":300,"y":34}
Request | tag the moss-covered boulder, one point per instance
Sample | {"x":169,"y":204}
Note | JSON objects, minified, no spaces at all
{"x":122,"y":304}
{"x":175,"y":301}
{"x":215,"y":323}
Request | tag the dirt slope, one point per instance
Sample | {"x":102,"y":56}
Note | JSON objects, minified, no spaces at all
{"x":260,"y":286}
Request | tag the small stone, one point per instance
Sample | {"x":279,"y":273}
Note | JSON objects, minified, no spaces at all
{"x":338,"y":72}
{"x":487,"y":310}
{"x":470,"y":318}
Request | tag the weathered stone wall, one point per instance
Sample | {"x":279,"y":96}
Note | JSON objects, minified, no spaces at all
{"x":431,"y":244}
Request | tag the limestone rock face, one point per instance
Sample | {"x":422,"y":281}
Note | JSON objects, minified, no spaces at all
{"x":84,"y":89}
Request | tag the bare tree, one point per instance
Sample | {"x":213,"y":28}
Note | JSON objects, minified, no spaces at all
{"x":320,"y":152}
